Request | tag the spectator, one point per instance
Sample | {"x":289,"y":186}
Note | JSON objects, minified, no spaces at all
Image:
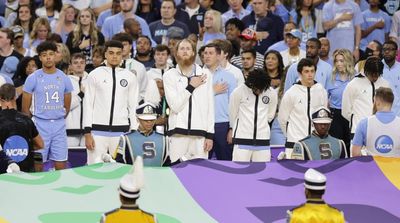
{"x":378,"y":134}
{"x":391,"y":72}
{"x":320,"y":144}
{"x":343,"y":72}
{"x":108,"y":114}
{"x":206,"y":4}
{"x":131,"y":64}
{"x":52,"y":101}
{"x":160,"y":28}
{"x":115,"y":8}
{"x":323,"y":72}
{"x":132,"y":27}
{"x":282,"y":45}
{"x":51,"y":10}
{"x":324,"y":51}
{"x":226,"y":55}
{"x":193,"y":140}
{"x":293,"y":54}
{"x":85,"y":37}
{"x":148,"y":10}
{"x":6,"y":42}
{"x":74,"y":120}
{"x":233,"y":28}
{"x":40,"y":32}
{"x":251,"y":108}
{"x":66,"y":23}
{"x":19,"y":41}
{"x":342,"y":21}
{"x":374,"y":48}
{"x":98,"y":56}
{"x":161,"y":54}
{"x":13,"y":15}
{"x":248,"y":40}
{"x":248,"y":61}
{"x":144,"y":52}
{"x":224,"y":83}
{"x":25,"y":18}
{"x":358,"y":96}
{"x":17,"y":132}
{"x":195,"y":12}
{"x":297,"y":103}
{"x":236,"y":11}
{"x":376,"y":25}
{"x":213,"y":27}
{"x":62,"y":57}
{"x":9,"y":67}
{"x":304,"y":18}
{"x":114,"y":24}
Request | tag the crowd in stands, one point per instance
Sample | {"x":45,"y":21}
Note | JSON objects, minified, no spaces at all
{"x":227,"y":79}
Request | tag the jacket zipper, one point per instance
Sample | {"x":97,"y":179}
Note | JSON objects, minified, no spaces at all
{"x":81,"y":119}
{"x":113,"y":97}
{"x":255,"y":120}
{"x":308,"y":110}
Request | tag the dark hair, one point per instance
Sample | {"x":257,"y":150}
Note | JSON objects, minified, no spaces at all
{"x":281,"y":66}
{"x":113,"y":43}
{"x":46,"y":45}
{"x":128,"y":22}
{"x":20,"y":72}
{"x":78,"y":56}
{"x":201,"y":50}
{"x":236,"y":22}
{"x":299,"y":6}
{"x":315,"y":40}
{"x":373,"y":66}
{"x":252,"y":51}
{"x":215,"y":46}
{"x":146,"y":37}
{"x":99,"y":49}
{"x":305,"y":62}
{"x":127,"y":200}
{"x":9,"y":33}
{"x":161,"y":48}
{"x":173,"y":2}
{"x":390,"y":42}
{"x":122,"y":37}
{"x":54,"y":37}
{"x":7,"y":92}
{"x":317,"y":193}
{"x":31,"y":20}
{"x":258,"y":80}
{"x":225,"y":46}
{"x":385,"y":94}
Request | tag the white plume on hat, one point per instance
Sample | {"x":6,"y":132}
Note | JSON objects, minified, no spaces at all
{"x":132,"y":182}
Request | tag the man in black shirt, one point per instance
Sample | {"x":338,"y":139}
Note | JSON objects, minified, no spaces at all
{"x":18,"y":135}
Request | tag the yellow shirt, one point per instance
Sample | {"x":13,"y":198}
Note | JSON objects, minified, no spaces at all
{"x":127,"y":214}
{"x":315,"y":211}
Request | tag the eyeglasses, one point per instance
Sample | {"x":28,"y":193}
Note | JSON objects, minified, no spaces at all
{"x":388,"y":49}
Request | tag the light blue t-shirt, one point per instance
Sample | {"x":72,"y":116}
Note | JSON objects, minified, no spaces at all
{"x":212,"y":36}
{"x":360,"y":136}
{"x":370,"y":18}
{"x":322,"y":75}
{"x":221,"y":101}
{"x":102,"y":17}
{"x":342,"y":36}
{"x":307,"y":32}
{"x":392,"y":75}
{"x":282,"y":46}
{"x":48,"y":91}
{"x":335,"y":90}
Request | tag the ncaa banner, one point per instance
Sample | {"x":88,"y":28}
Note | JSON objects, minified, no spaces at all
{"x":366,"y":189}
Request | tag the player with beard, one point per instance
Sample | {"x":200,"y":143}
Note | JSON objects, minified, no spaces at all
{"x":190,"y":96}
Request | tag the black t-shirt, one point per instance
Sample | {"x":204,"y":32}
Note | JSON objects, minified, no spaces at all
{"x":16,"y":137}
{"x":14,"y":53}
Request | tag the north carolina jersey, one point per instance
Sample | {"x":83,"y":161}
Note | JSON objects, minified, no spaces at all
{"x":48,"y":91}
{"x":151,"y":148}
{"x":314,"y":147}
{"x":127,"y":214}
{"x":315,"y":211}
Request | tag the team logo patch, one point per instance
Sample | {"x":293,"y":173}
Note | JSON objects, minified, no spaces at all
{"x":16,"y":148}
{"x":384,"y":144}
{"x":123,"y":83}
{"x":265,"y":99}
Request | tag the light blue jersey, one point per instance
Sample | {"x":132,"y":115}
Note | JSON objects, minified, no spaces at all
{"x":48,"y":92}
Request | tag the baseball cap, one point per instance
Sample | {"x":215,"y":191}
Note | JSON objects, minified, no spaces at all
{"x":9,"y":66}
{"x":314,"y":180}
{"x":249,"y":34}
{"x":296,"y":33}
{"x":175,"y":33}
{"x":321,"y":116}
{"x":146,"y":111}
{"x":132,"y":182}
{"x":18,"y":31}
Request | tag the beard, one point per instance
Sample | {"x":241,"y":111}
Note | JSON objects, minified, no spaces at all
{"x":185,"y":61}
{"x":142,"y":54}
